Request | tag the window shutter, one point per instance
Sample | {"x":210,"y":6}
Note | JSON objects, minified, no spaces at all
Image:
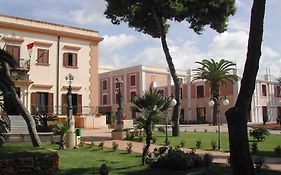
{"x":50,"y":104}
{"x":74,"y":57}
{"x":79,"y":105}
{"x":33,"y":102}
{"x":65,"y":61}
{"x":63,"y":104}
{"x":193,"y":91}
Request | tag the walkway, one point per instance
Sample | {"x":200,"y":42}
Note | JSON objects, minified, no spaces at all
{"x":98,"y":135}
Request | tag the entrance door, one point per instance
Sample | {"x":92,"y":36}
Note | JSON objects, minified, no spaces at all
{"x":201,"y":115}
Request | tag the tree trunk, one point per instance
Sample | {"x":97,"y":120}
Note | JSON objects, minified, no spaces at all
{"x":10,"y":95}
{"x":169,"y":59}
{"x":148,"y":131}
{"x":237,"y":117}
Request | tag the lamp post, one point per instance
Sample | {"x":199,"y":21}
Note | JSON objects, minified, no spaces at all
{"x":173,"y":103}
{"x":119,"y":121}
{"x":211,"y":103}
{"x":70,"y":135}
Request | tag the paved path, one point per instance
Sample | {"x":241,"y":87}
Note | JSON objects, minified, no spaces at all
{"x":98,"y":135}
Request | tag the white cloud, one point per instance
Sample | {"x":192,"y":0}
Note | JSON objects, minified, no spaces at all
{"x":91,"y":11}
{"x":111,"y":44}
{"x":238,"y":25}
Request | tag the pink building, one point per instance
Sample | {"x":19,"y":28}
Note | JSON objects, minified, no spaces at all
{"x":194,"y":95}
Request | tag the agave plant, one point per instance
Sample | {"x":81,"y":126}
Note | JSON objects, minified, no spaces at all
{"x":5,"y":126}
{"x":42,"y":122}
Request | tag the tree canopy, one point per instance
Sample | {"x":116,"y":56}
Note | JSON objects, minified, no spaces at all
{"x":142,"y":14}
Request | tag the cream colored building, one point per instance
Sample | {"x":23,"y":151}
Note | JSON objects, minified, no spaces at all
{"x":57,"y":51}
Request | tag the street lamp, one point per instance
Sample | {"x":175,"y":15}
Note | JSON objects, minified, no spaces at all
{"x":70,"y":135}
{"x":211,"y":103}
{"x":173,"y":103}
{"x":119,"y":121}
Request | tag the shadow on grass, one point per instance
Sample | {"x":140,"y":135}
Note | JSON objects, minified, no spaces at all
{"x":76,"y":171}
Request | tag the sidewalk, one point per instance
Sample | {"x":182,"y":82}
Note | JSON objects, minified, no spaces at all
{"x":98,"y":135}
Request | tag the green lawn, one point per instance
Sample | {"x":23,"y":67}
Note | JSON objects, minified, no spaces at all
{"x":87,"y":160}
{"x":266,"y":148}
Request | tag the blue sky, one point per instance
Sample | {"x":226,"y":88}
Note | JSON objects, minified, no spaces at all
{"x":123,"y":46}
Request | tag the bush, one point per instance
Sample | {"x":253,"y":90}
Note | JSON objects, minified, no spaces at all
{"x":182,"y":144}
{"x":129,"y":147}
{"x":208,"y":159}
{"x":254,"y":148}
{"x":140,"y":138}
{"x":198,"y":144}
{"x":101,"y":144}
{"x":213,"y":144}
{"x":277,"y":150}
{"x":41,"y":122}
{"x":161,"y":129}
{"x":129,"y":136}
{"x":154,"y":138}
{"x":259,"y":133}
{"x":115,"y":145}
{"x":176,"y":159}
{"x":258,"y":162}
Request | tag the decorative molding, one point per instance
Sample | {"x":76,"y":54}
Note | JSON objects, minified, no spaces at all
{"x":13,"y":39}
{"x":42,"y":86}
{"x":74,"y":88}
{"x":43,"y":44}
{"x":71,"y":47}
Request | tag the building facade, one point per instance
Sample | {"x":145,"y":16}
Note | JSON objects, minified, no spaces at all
{"x":45,"y":54}
{"x":135,"y":80}
{"x":195,"y":95}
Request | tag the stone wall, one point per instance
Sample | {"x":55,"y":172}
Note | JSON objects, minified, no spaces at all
{"x":41,"y":164}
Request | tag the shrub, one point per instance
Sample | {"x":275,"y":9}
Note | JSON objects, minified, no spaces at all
{"x":176,"y":159}
{"x":208,"y":159}
{"x":198,"y":144}
{"x":258,"y":162}
{"x":61,"y":129}
{"x":41,"y":122}
{"x":129,"y":136}
{"x":101,"y":144}
{"x":277,"y":150}
{"x":5,"y":126}
{"x":206,"y":130}
{"x":154,"y":138}
{"x":140,"y":138}
{"x":161,"y":129}
{"x":195,"y":130}
{"x":182,"y":143}
{"x":129,"y":147}
{"x":254,"y":148}
{"x":259,"y":133}
{"x":115,"y":145}
{"x":213,"y":144}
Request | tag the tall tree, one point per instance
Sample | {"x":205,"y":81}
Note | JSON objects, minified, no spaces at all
{"x":237,"y":117}
{"x":151,"y":17}
{"x":10,"y":95}
{"x":216,"y":73}
{"x":151,"y":103}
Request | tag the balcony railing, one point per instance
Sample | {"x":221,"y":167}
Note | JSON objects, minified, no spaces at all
{"x":62,"y":110}
{"x":20,"y":72}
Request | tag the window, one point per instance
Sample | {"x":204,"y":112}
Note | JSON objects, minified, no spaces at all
{"x":200,"y":91}
{"x":181,"y":92}
{"x":15,"y":52}
{"x":76,"y":104}
{"x":133,"y":94}
{"x":104,"y":99}
{"x":133,"y":80}
{"x":279,"y":112}
{"x":278,"y":91}
{"x":263,"y":90}
{"x":104,"y":85}
{"x":43,"y":56}
{"x":161,"y":91}
{"x":42,"y":102}
{"x":70,"y":59}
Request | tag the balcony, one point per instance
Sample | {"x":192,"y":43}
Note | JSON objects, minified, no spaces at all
{"x":20,"y":72}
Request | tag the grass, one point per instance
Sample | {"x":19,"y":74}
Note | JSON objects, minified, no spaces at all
{"x":266,"y":148}
{"x":87,"y":160}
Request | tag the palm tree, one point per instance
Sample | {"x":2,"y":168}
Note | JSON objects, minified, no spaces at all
{"x":151,"y":103}
{"x":10,"y":95}
{"x":216,"y":73}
